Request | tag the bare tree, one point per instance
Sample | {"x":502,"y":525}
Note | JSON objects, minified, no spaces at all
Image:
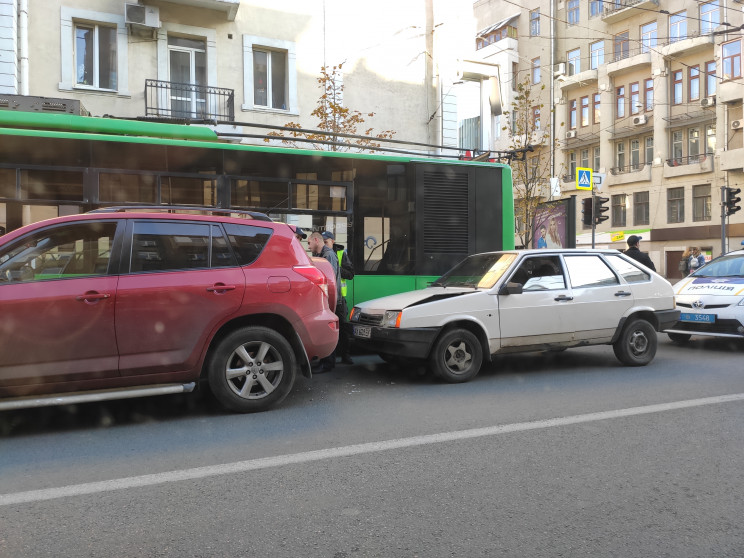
{"x":334,"y":119}
{"x":528,"y":125}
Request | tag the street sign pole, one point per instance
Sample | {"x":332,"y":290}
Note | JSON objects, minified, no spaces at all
{"x":594,"y":218}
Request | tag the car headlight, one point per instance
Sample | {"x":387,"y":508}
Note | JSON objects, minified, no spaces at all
{"x":741,"y":302}
{"x":356,"y":313}
{"x":391,"y":318}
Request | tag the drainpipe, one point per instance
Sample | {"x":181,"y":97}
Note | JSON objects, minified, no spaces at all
{"x":552,"y":91}
{"x":23,"y":45}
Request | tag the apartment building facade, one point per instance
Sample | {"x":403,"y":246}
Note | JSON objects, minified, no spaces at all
{"x":649,"y":94}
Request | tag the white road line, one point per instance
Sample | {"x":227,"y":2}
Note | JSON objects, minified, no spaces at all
{"x":345,"y":451}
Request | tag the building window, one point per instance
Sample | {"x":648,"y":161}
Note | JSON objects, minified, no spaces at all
{"x":675,"y":205}
{"x":710,"y":17}
{"x":649,"y":150}
{"x":701,"y":203}
{"x":572,"y":164}
{"x":710,"y":78}
{"x":584,"y":111}
{"x":635,"y":98}
{"x":622,"y":45}
{"x":574,"y":61}
{"x":572,"y":114}
{"x":270,"y":77}
{"x":95,"y":56}
{"x":573,"y":12}
{"x":620,"y":112}
{"x":595,"y":8}
{"x":710,"y":139}
{"x":678,"y":26}
{"x":515,"y":74}
{"x":648,"y":36}
{"x":731,"y":59}
{"x":597,"y":54}
{"x":620,"y":155}
{"x":677,"y":147}
{"x":596,"y":108}
{"x":641,"y":208}
{"x":649,"y":94}
{"x":585,"y":158}
{"x":619,"y":210}
{"x":677,"y":87}
{"x":596,"y":159}
{"x":536,"y":117}
{"x":536,"y":71}
{"x":693,"y":144}
{"x":694,"y":83}
{"x":534,"y":23}
{"x":635,"y":154}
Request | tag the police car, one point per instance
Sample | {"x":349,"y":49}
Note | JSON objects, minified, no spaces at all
{"x":711,"y":300}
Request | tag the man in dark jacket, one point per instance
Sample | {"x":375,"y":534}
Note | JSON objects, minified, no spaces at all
{"x":346,"y":270}
{"x":319,"y":249}
{"x":634,"y":252}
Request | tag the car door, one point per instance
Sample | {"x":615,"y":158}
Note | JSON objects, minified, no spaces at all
{"x":182,"y":281}
{"x":600,"y":298}
{"x":57,"y":302}
{"x":537,"y":315}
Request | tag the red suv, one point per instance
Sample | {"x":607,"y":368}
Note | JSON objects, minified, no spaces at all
{"x":114,"y":304}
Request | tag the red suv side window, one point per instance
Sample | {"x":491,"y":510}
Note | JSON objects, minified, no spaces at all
{"x":248,"y":241}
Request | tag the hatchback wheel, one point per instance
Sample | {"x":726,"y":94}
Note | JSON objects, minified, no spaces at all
{"x":457,"y":356}
{"x":636,"y":345}
{"x":252,"y":369}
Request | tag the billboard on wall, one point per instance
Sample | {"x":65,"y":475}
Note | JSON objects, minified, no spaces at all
{"x":553,"y":225}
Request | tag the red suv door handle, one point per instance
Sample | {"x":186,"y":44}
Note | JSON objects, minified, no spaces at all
{"x":221,"y":288}
{"x":92,"y":297}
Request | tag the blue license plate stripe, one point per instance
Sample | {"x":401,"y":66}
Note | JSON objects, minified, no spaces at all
{"x":705,"y":318}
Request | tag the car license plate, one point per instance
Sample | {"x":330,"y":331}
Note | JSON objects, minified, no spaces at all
{"x":362,"y":331}
{"x":705,"y":318}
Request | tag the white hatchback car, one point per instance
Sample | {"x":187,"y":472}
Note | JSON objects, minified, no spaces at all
{"x":532,"y":300}
{"x":711,"y":300}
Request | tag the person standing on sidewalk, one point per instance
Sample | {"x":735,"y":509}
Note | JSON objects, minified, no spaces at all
{"x":319,"y":249}
{"x":346,"y":270}
{"x":634,"y":252}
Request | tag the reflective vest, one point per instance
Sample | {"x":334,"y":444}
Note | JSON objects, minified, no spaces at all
{"x":340,"y":255}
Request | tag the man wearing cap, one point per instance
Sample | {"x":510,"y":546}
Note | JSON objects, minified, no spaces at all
{"x":346,"y":270}
{"x":636,"y":254}
{"x":299,"y":233}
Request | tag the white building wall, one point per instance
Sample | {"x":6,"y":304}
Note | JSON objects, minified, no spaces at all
{"x":8,"y":47}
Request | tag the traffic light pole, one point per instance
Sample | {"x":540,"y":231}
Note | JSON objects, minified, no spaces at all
{"x":594,"y":219}
{"x":723,"y":219}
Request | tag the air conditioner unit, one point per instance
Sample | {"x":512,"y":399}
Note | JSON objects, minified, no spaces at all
{"x":143,"y":16}
{"x":571,"y":134}
{"x":737,"y":124}
{"x":707,"y":102}
{"x":560,"y":69}
{"x":639,"y":120}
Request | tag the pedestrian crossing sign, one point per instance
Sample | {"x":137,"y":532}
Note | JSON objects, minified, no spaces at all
{"x":584,"y":179}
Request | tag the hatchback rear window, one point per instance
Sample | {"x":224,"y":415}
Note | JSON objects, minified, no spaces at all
{"x":247,"y":241}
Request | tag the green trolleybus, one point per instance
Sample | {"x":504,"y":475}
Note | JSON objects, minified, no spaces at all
{"x":404,"y":220}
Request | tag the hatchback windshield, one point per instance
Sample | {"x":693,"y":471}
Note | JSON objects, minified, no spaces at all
{"x":725,"y":266}
{"x":479,"y":271}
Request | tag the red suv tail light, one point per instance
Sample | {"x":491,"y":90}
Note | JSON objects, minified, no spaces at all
{"x":313,"y":274}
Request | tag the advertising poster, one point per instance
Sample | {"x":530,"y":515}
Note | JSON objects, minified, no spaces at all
{"x":550,"y":226}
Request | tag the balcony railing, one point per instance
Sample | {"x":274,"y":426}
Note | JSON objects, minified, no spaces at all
{"x":613,"y":6}
{"x":633,"y":167}
{"x":186,"y":101}
{"x":689,"y":160}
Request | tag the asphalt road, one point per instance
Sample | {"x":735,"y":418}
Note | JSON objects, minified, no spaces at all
{"x":564,"y":454}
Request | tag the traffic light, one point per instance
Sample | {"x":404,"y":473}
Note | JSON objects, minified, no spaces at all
{"x":600,"y":208}
{"x":586,"y":211}
{"x":732,"y":201}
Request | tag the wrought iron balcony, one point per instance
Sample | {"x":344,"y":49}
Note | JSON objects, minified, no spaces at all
{"x":186,"y":101}
{"x":689,"y":160}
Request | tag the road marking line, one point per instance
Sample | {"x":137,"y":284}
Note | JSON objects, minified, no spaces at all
{"x":345,"y":451}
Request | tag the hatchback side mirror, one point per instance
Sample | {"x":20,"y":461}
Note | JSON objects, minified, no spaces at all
{"x":511,"y":288}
